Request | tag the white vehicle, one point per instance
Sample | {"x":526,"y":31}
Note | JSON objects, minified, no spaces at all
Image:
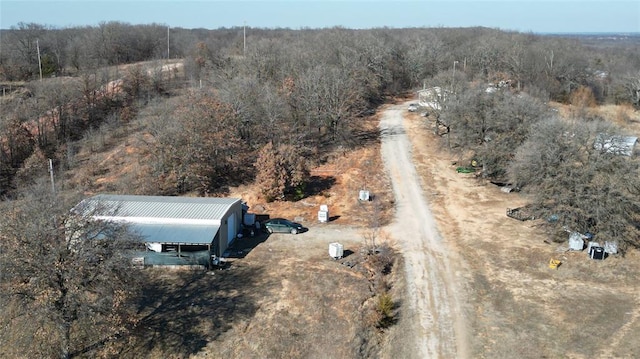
{"x":413,"y":107}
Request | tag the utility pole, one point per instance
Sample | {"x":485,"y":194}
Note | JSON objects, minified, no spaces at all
{"x":453,"y":77}
{"x":39,"y":61}
{"x":53,"y":186}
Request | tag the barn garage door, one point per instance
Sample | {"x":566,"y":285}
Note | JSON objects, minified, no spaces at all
{"x":231,"y":228}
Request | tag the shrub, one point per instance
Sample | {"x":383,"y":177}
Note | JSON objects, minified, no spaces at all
{"x":281,"y":171}
{"x":384,"y":309}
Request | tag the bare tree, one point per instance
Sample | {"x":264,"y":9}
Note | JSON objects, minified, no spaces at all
{"x":491,"y":125}
{"x":631,"y":84}
{"x":196,"y":146}
{"x":57,"y":108}
{"x":80,"y":50}
{"x":425,"y":57}
{"x":19,"y":142}
{"x":67,"y":281}
{"x":330,"y":98}
{"x":586,"y":186}
{"x":21,"y":44}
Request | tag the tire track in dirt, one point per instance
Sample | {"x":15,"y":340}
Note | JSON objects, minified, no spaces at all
{"x":432,"y":298}
{"x":615,"y":340}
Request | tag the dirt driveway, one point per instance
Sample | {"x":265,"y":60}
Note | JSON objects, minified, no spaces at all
{"x":440,"y":331}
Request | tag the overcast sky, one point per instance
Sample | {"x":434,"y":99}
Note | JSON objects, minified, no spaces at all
{"x":541,"y":16}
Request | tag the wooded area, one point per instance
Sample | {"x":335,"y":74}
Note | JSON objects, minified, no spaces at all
{"x":273,"y":107}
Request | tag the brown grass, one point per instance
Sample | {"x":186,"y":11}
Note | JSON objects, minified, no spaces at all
{"x":307,"y":306}
{"x":348,"y":173}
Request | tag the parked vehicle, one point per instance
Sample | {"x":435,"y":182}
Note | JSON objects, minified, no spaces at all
{"x":282,"y":225}
{"x":413,"y":107}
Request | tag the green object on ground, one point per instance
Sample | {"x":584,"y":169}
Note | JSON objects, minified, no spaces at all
{"x":465,"y":170}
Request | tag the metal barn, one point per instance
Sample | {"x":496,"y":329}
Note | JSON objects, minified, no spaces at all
{"x":176,"y":230}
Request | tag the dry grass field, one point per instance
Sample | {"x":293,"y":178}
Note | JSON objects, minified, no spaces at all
{"x":285,"y":299}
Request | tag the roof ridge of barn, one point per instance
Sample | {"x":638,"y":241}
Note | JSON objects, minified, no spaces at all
{"x":138,"y":208}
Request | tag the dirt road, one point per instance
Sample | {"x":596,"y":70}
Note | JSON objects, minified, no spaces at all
{"x":433,"y":294}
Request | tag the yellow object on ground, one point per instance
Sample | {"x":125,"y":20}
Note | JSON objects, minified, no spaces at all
{"x":554,"y":263}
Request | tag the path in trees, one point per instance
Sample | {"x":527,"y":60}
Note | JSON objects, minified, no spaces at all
{"x":432,"y":299}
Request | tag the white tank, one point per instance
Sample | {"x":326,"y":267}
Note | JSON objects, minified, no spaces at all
{"x":323,"y":214}
{"x":336,"y":250}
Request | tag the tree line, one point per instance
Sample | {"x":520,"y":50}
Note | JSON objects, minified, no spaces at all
{"x":401,"y":59}
{"x":286,"y":95}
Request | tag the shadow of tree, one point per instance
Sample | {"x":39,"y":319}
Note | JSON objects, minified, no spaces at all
{"x":182,"y":311}
{"x":362,"y":137}
{"x":319,"y":184}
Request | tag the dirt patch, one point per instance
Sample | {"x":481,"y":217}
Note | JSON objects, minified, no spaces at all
{"x":338,"y":185}
{"x":285,"y":299}
{"x":311,"y":302}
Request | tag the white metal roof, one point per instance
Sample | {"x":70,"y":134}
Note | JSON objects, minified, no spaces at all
{"x":157,"y":209}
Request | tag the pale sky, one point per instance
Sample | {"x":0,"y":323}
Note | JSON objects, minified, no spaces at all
{"x":541,"y":16}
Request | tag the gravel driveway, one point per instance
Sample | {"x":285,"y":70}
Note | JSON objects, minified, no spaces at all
{"x":432,"y":298}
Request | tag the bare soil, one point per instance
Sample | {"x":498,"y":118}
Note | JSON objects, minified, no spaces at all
{"x":286,"y":298}
{"x":439,"y":330}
